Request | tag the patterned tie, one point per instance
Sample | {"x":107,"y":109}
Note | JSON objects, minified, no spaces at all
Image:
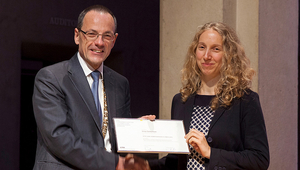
{"x":105,"y":117}
{"x":95,"y":74}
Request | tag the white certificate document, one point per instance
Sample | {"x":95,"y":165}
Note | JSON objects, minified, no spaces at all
{"x":145,"y":136}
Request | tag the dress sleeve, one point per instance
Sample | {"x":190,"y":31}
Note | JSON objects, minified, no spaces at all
{"x":255,"y":155}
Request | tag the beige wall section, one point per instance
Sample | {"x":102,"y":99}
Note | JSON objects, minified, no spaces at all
{"x":243,"y":17}
{"x":178,"y":24}
{"x":278,"y":79}
{"x":247,"y":30}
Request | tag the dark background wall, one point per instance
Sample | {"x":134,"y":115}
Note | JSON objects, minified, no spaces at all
{"x":36,"y":33}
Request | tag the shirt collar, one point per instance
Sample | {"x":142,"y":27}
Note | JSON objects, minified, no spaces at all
{"x":87,"y":69}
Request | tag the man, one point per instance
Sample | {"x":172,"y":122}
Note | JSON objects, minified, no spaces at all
{"x":72,"y":108}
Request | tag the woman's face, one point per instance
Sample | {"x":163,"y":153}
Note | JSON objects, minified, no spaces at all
{"x":209,"y":54}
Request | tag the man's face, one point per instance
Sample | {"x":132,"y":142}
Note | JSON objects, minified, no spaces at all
{"x":94,"y":52}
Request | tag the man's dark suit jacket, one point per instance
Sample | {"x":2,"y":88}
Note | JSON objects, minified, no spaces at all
{"x":68,"y":125}
{"x":237,"y":136}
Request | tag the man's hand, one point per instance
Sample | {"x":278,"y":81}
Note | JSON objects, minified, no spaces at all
{"x":121,"y":163}
{"x":149,"y":117}
{"x":133,"y":162}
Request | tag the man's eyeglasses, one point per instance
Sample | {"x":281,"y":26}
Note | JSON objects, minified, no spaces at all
{"x":92,"y":36}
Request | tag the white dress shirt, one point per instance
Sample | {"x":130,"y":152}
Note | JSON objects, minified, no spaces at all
{"x":87,"y":69}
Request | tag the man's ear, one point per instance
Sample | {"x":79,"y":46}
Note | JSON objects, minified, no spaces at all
{"x":76,"y":36}
{"x":114,"y":41}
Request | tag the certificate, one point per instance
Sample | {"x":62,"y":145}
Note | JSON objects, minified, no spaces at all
{"x":146,"y":136}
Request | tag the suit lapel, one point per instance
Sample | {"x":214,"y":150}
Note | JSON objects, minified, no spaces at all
{"x":188,"y":110}
{"x":79,"y":80}
{"x":110,"y":92}
{"x":109,"y":86}
{"x":218,"y":113}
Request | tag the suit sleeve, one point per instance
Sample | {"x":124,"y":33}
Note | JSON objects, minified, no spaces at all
{"x":55,"y":125}
{"x":255,"y":155}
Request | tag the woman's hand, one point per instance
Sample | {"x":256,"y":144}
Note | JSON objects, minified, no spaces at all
{"x":198,"y":141}
{"x":149,"y":117}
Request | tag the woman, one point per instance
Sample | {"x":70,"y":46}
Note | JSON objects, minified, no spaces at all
{"x":223,"y":117}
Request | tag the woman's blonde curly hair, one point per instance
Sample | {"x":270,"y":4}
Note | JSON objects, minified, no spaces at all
{"x":236,"y":74}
